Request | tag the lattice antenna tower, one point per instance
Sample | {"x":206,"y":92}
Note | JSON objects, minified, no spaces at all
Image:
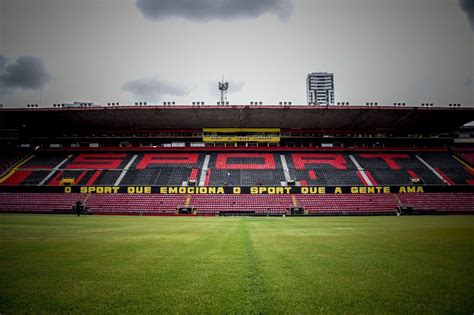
{"x":223,"y":87}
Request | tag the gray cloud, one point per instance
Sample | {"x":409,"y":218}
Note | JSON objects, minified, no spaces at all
{"x":468,"y":7}
{"x":3,"y":62}
{"x":153,"y":89}
{"x":27,"y":72}
{"x":235,"y":86}
{"x":3,"y":91}
{"x":205,"y":10}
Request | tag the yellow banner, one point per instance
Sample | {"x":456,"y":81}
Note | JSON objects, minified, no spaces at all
{"x":253,"y":190}
{"x":240,"y":139}
{"x":241,"y":129}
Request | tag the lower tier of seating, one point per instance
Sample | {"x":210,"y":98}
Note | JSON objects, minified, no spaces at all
{"x":439,"y":202}
{"x":135,"y":204}
{"x":38,"y":202}
{"x":348,"y":203}
{"x":160,"y":204}
{"x":261,"y":204}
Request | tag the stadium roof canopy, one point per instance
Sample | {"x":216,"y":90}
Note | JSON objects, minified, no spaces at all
{"x":357,"y":118}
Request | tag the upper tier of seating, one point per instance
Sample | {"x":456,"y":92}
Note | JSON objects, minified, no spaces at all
{"x":10,"y":157}
{"x":397,"y":169}
{"x":322,"y":169}
{"x":245,"y":169}
{"x":468,"y":156}
{"x":163,"y":169}
{"x":453,"y":171}
{"x":242,"y":169}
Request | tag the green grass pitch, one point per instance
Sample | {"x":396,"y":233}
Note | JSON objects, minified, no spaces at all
{"x":94,"y":264}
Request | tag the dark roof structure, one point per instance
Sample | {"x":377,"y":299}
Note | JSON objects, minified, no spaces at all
{"x":360,"y":118}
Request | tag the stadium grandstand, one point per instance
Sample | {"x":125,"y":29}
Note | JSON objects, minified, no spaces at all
{"x":237,"y":160}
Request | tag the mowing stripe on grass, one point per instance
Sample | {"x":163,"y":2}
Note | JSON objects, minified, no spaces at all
{"x":258,"y":298}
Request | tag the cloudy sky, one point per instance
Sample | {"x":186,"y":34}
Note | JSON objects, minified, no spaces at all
{"x":103,"y":51}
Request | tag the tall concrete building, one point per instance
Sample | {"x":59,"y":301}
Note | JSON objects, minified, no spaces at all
{"x":320,"y":88}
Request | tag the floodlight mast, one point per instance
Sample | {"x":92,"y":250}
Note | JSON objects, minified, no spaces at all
{"x":223,"y":87}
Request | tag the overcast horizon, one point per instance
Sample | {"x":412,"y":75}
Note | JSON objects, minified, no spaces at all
{"x":384,"y":51}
